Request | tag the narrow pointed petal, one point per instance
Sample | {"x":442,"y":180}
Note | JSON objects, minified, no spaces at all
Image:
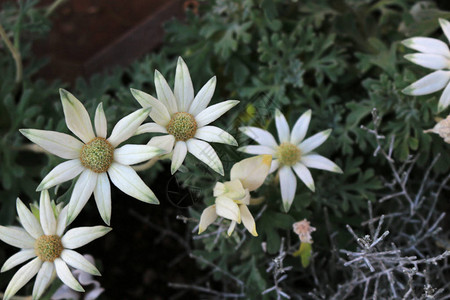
{"x":204,"y":152}
{"x":314,"y":141}
{"x":248,"y":220}
{"x":43,"y":280}
{"x":427,"y":45}
{"x":317,"y":161}
{"x":428,"y":84}
{"x":77,"y":261}
{"x":81,"y":193}
{"x":62,"y":221}
{"x":80,"y":236}
{"x":129,"y":182}
{"x":305,"y":175}
{"x":183,"y":89}
{"x":149,"y":128}
{"x":203,"y":97}
{"x":102,"y":195}
{"x":18,"y":258}
{"x":28,"y":220}
{"x":63,"y":272}
{"x":213,"y":112}
{"x":444,"y":101}
{"x":216,"y":135}
{"x":231,"y":228}
{"x":17,"y":237}
{"x":132,"y":154}
{"x":301,"y":127}
{"x":252,"y":171}
{"x":59,"y":144}
{"x":127,"y":126}
{"x":431,"y":61}
{"x":77,"y":117}
{"x":227,"y":208}
{"x":164,"y":142}
{"x":261,"y":136}
{"x":22,"y":277}
{"x":47,"y":217}
{"x":257,"y":149}
{"x":61,"y":173}
{"x":179,"y":154}
{"x":101,"y":126}
{"x":274,"y":166}
{"x":288,"y":185}
{"x":159,"y":112}
{"x":164,"y":93}
{"x":207,"y":218}
{"x":445,"y":25}
{"x":282,"y":127}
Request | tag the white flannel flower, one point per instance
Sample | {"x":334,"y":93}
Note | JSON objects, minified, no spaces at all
{"x":184,"y":118}
{"x":434,"y":54}
{"x":232,"y":197}
{"x":44,"y":240}
{"x":95,"y":156}
{"x":292,"y":153}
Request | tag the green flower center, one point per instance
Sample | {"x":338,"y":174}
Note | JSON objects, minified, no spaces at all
{"x":288,"y":154}
{"x":97,"y":155}
{"x":182,"y":126}
{"x":48,"y":247}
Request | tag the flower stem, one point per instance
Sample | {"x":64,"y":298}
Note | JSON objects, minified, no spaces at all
{"x":15,"y":54}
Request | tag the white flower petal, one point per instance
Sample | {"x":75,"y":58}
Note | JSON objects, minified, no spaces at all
{"x":16,"y":237}
{"x":314,"y":141}
{"x":77,"y":117}
{"x":183,"y":89}
{"x":150,"y":127}
{"x":159,"y":112}
{"x":227,"y":208}
{"x":252,"y":171}
{"x":231,"y":228}
{"x":43,"y":279}
{"x":129,"y":182}
{"x":164,"y":142}
{"x":164,"y":93}
{"x":28,"y":220}
{"x":77,"y":261}
{"x":179,"y":154}
{"x":282,"y":127}
{"x":132,"y":154}
{"x":204,"y":152}
{"x":102,"y":195}
{"x":101,"y":126}
{"x":203,"y":97}
{"x":77,"y":237}
{"x":22,"y":277}
{"x":63,"y":272}
{"x":427,"y":45}
{"x":81,"y":193}
{"x":127,"y":126}
{"x":317,"y":161}
{"x":431,"y":61}
{"x":261,"y":136}
{"x":257,"y":149}
{"x":274,"y":166}
{"x":444,"y":101}
{"x":445,"y":25}
{"x":62,"y":220}
{"x":213,"y":112}
{"x":301,"y":127}
{"x":216,"y":135}
{"x":61,"y":173}
{"x":60,"y":144}
{"x":47,"y":217}
{"x":207,"y":218}
{"x":428,"y":84}
{"x":305,"y":175}
{"x":288,"y":185}
{"x":248,"y":220}
{"x":17,"y":259}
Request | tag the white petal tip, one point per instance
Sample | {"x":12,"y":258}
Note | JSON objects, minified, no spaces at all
{"x":409,"y":90}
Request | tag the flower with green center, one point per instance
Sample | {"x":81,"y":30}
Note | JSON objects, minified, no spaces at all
{"x":232,"y":197}
{"x":185,"y":119}
{"x":43,"y":240}
{"x":292,"y":153}
{"x":95,"y":157}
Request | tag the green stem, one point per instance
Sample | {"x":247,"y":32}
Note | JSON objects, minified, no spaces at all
{"x":52,"y":7}
{"x":15,"y":54}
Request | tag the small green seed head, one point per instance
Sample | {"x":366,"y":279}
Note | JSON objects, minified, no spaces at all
{"x":48,"y":247}
{"x":97,"y":155}
{"x":182,"y":126}
{"x":288,"y":154}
